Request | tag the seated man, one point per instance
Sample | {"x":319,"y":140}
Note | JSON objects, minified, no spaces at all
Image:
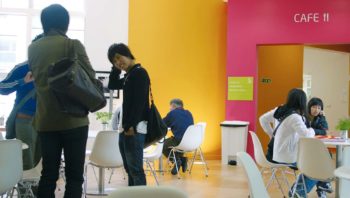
{"x":178,"y":119}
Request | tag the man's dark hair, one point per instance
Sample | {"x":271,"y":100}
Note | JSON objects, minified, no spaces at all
{"x":55,"y":17}
{"x":177,"y":102}
{"x":119,"y":48}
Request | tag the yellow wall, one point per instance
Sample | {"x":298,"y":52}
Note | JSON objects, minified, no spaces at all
{"x":182,"y":44}
{"x":283,"y":64}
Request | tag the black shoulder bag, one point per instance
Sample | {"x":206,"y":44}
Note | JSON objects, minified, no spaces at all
{"x":76,"y":92}
{"x":156,"y":128}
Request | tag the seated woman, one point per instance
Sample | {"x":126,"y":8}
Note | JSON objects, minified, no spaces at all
{"x":290,"y":125}
{"x":319,"y":123}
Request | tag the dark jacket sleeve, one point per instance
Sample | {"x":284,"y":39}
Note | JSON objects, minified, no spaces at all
{"x":115,"y":82}
{"x":12,"y":81}
{"x":321,"y":126}
{"x":139,"y":90}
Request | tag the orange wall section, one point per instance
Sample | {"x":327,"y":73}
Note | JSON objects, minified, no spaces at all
{"x":283,"y":65}
{"x":182,"y":44}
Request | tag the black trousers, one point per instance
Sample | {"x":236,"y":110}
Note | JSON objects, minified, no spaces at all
{"x":73,"y":143}
{"x":170,"y":142}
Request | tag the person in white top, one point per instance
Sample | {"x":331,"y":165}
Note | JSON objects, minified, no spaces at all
{"x":289,"y":125}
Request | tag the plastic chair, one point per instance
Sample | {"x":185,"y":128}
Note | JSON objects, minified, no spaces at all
{"x":190,"y":142}
{"x":10,"y":165}
{"x":104,"y":154}
{"x":256,"y":183}
{"x":343,"y":173}
{"x":148,"y":192}
{"x":155,"y":154}
{"x":261,"y":160}
{"x":31,"y":178}
{"x":314,"y":161}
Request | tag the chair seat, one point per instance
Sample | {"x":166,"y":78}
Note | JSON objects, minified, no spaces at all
{"x":343,"y":172}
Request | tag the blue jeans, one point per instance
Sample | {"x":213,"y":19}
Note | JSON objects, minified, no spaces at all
{"x":131,"y":149}
{"x":309,"y":183}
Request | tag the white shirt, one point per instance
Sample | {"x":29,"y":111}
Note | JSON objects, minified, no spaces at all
{"x":287,"y":136}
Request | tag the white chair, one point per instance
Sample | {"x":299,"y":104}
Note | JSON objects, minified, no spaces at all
{"x":10,"y":165}
{"x":148,"y":192}
{"x":190,"y":142}
{"x":104,"y":154}
{"x":31,"y":178}
{"x":153,"y":155}
{"x":313,"y":161}
{"x":256,"y":183}
{"x":261,"y":160}
{"x":343,"y":173}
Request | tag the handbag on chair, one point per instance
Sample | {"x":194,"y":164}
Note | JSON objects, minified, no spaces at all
{"x":76,"y":92}
{"x":156,"y":128}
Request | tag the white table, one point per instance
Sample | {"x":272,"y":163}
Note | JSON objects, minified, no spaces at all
{"x":339,"y":157}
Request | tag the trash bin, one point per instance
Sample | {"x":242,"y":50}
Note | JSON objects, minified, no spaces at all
{"x":233,"y":139}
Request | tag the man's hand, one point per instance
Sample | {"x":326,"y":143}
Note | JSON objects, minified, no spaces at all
{"x":29,"y":77}
{"x":130,"y":132}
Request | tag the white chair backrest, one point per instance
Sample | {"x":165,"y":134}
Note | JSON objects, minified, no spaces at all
{"x":204,"y":126}
{"x":10,"y":164}
{"x":155,"y":153}
{"x":256,"y":183}
{"x":105,"y":151}
{"x":148,"y":192}
{"x":192,"y":138}
{"x":258,"y":152}
{"x":314,"y":159}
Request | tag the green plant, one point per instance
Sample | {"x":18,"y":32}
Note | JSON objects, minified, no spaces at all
{"x":343,"y":124}
{"x":103,"y":116}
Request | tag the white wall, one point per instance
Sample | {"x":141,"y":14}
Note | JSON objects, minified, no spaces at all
{"x":330,"y":81}
{"x":106,"y":23}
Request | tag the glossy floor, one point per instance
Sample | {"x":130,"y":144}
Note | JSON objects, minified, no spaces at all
{"x":223,"y":181}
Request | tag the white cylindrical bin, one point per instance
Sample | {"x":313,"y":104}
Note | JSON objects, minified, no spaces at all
{"x":233,"y":139}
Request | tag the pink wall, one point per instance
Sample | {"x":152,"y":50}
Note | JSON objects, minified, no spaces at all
{"x":253,"y":22}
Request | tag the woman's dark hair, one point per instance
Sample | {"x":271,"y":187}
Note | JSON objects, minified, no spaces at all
{"x":296,"y":100}
{"x":119,"y":48}
{"x":314,"y":101}
{"x":55,"y":17}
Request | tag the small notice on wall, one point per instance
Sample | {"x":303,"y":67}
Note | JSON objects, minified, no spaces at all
{"x":240,"y":88}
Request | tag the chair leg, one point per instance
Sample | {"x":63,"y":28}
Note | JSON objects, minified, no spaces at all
{"x":273,"y":172}
{"x":175,"y":162}
{"x":152,"y":171}
{"x":193,"y":159}
{"x":285,"y":179}
{"x":279,"y":184}
{"x":203,"y":160}
{"x":110,"y":177}
{"x":206,"y":165}
{"x":295,"y":185}
{"x":304,"y":185}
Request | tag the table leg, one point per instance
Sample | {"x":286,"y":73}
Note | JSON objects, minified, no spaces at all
{"x":160,"y":165}
{"x":338,"y":163}
{"x":101,"y":180}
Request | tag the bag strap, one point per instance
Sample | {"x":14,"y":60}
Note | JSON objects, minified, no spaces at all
{"x":23,"y":101}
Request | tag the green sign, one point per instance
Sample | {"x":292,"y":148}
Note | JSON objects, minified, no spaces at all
{"x":240,"y":88}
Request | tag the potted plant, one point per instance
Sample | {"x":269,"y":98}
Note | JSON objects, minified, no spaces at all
{"x":343,"y":126}
{"x":105,"y":117}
